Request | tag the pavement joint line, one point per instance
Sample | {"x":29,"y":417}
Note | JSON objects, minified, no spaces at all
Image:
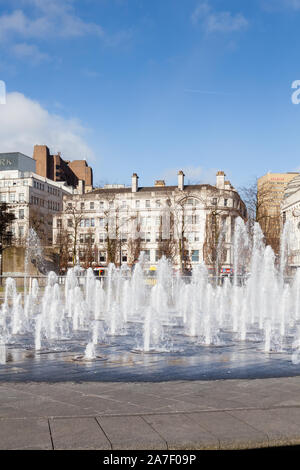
{"x":110,"y":443}
{"x":141,"y":414}
{"x":154,"y":413}
{"x":52,"y":443}
{"x":162,"y":437}
{"x":250,"y":425}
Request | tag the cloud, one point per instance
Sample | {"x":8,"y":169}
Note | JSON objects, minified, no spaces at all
{"x":217,"y":22}
{"x":24,"y":123}
{"x":194,"y":175}
{"x":29,"y":52}
{"x":56,"y":19}
{"x":275,"y":5}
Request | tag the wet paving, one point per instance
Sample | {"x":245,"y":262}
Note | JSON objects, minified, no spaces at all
{"x":120,"y":359}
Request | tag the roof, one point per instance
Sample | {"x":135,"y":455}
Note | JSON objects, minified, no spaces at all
{"x":150,"y":189}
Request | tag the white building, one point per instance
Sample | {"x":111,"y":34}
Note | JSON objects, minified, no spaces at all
{"x":185,"y":222}
{"x":290,"y":212}
{"x":33,"y":199}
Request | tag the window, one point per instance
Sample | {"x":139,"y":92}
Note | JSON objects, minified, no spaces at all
{"x":70,"y":223}
{"x":147,"y":255}
{"x":101,"y":221}
{"x":21,"y":231}
{"x":137,"y":204}
{"x":12,"y":197}
{"x":157,"y":203}
{"x":147,"y":203}
{"x":82,"y":206}
{"x":92,"y":205}
{"x":21,"y":197}
{"x":124,"y":257}
{"x":102,"y":237}
{"x":59,"y":223}
{"x":195,"y":256}
{"x":214,"y":201}
{"x":21,"y":214}
{"x":102,"y":256}
{"x":101,"y":204}
{"x":92,"y":222}
{"x":3,"y":197}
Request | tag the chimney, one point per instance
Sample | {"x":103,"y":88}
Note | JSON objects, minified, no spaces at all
{"x":160,"y":183}
{"x":220,"y":180}
{"x":181,"y":180}
{"x":81,"y":187}
{"x":134,"y":183}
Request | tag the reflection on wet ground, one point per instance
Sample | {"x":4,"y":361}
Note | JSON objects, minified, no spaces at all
{"x":117,"y":360}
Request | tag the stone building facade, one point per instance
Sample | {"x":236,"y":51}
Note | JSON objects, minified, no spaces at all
{"x":270,"y":194}
{"x":187,"y":223}
{"x":290,"y":215}
{"x":32,"y":198}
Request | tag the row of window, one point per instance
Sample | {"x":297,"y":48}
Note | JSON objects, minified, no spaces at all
{"x":102,"y":256}
{"x":85,"y":238}
{"x":12,"y":197}
{"x":147,"y":203}
{"x":41,"y":187}
{"x":51,"y":205}
{"x":8,"y":183}
{"x":143,"y":221}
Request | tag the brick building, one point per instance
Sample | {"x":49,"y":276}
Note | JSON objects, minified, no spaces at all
{"x":56,"y":168}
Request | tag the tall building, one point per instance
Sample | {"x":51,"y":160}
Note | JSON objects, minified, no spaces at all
{"x":187,"y":223}
{"x":32,"y":198}
{"x":55,"y":168}
{"x":270,"y":192}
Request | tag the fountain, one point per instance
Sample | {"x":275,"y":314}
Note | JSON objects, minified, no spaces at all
{"x":123,"y":326}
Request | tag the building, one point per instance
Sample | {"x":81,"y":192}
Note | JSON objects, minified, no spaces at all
{"x":290,"y":213}
{"x":32,"y":198}
{"x":187,"y":223}
{"x":55,"y":168}
{"x":270,"y":193}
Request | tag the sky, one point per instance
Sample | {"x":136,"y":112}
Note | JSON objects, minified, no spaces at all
{"x":154,"y":86}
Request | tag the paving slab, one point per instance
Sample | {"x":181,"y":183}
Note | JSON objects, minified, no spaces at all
{"x":180,"y":432}
{"x":230,"y":431}
{"x":222,"y":414}
{"x":25,"y":434}
{"x":78,"y":433}
{"x":131,"y":432}
{"x":282,"y":425}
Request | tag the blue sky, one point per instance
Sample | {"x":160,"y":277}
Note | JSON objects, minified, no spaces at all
{"x":154,"y":86}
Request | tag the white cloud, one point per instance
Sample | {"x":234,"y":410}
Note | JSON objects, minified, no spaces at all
{"x":52,"y":18}
{"x":194,"y":175}
{"x":24,"y":123}
{"x":29,"y":52}
{"x":214,"y":21}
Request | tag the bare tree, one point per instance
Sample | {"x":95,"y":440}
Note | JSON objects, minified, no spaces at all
{"x":63,"y":245}
{"x":263,"y":206}
{"x":75,"y":216}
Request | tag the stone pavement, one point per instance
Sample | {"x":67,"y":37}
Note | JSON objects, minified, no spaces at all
{"x":223,"y":414}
